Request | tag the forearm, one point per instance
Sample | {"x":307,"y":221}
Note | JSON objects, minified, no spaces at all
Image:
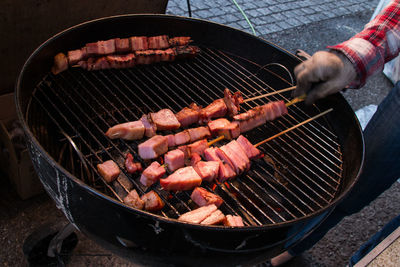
{"x":377,"y":44}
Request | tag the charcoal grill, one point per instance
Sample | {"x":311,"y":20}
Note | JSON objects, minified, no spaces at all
{"x":304,"y":172}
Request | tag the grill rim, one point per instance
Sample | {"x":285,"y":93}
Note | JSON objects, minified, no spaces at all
{"x":23,"y":118}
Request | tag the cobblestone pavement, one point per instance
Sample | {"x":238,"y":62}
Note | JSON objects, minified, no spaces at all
{"x":268,"y":16}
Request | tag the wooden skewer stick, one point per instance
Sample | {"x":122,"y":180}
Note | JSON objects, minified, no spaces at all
{"x":219,"y":138}
{"x":272,"y":93}
{"x":294,"y":127}
{"x":296,"y":100}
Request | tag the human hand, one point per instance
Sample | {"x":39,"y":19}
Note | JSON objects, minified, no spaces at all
{"x":323,"y":74}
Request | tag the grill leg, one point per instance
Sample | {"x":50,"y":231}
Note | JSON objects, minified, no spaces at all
{"x":50,"y":246}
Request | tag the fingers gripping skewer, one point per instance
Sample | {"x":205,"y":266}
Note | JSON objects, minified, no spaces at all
{"x":293,"y":127}
{"x":296,"y":100}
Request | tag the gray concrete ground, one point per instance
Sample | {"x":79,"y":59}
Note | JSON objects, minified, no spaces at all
{"x":309,"y":25}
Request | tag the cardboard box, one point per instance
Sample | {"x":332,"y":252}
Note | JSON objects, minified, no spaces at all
{"x":16,"y":164}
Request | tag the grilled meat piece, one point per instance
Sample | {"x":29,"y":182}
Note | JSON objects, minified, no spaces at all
{"x":237,"y":149}
{"x":214,"y":218}
{"x":202,"y":197}
{"x":223,"y":157}
{"x":189,"y":51}
{"x":121,"y":61}
{"x":275,"y":109}
{"x":208,"y":170}
{"x":144,"y":57}
{"x":225,"y":171}
{"x":132,"y":199}
{"x":256,"y":119}
{"x":188,"y":115}
{"x":215,"y":125}
{"x":184,"y":150}
{"x":233,"y":221}
{"x":182,"y":138}
{"x":216,"y":109}
{"x":101,"y":48}
{"x":191,"y":135}
{"x":60,"y":63}
{"x":197,"y":147}
{"x":138,"y":43}
{"x":152,"y":174}
{"x":171,"y":140}
{"x":132,"y":166}
{"x":165,"y":120}
{"x":232,"y":102}
{"x":174,"y":159}
{"x":154,"y":147}
{"x":133,"y":130}
{"x":198,"y":215}
{"x":182,"y":179}
{"x":94,"y":64}
{"x":251,"y":151}
{"x":150,"y":128}
{"x":109,"y":170}
{"x":260,"y":115}
{"x":194,"y":158}
{"x":179,"y":41}
{"x":122,"y":45}
{"x":74,"y":56}
{"x":158,"y":42}
{"x":239,"y":165}
{"x":152,"y":201}
{"x":168,"y":55}
{"x":198,"y":133}
{"x":224,"y":127}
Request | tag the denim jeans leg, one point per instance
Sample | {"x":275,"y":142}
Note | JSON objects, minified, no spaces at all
{"x":381,"y":167}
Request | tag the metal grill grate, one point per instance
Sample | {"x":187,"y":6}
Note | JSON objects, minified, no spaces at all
{"x":300,"y":173}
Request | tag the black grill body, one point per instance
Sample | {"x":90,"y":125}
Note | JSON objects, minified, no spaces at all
{"x":318,"y":164}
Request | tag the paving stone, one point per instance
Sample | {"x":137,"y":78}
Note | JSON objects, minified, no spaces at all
{"x":253,"y":13}
{"x":265,"y":10}
{"x":270,"y":16}
{"x":308,"y":10}
{"x":204,"y":14}
{"x":284,"y":25}
{"x":278,"y":16}
{"x":248,"y":5}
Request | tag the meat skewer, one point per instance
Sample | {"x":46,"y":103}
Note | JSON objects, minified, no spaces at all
{"x":243,"y":122}
{"x":119,"y":46}
{"x":236,"y":155}
{"x":194,"y":113}
{"x":209,"y":214}
{"x":174,"y":160}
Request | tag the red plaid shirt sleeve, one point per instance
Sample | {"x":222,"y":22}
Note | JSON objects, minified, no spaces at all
{"x":376,"y":44}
